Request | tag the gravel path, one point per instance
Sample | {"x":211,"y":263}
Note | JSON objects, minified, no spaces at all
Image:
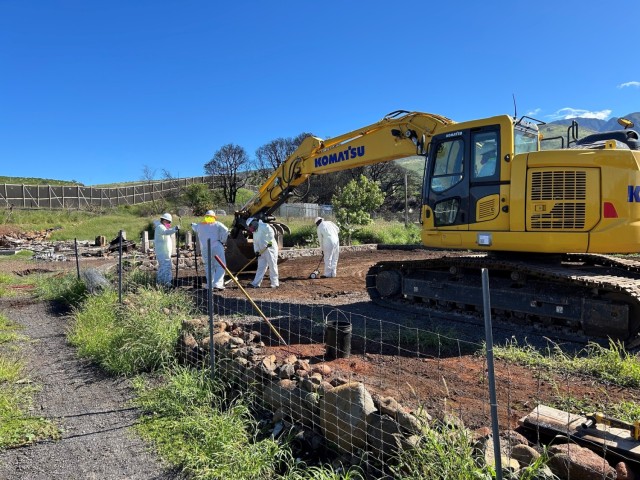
{"x":90,"y":407}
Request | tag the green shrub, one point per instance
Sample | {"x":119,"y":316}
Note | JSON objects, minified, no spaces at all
{"x":304,"y":236}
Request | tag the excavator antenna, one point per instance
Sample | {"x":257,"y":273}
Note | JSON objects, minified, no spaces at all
{"x":515,"y":108}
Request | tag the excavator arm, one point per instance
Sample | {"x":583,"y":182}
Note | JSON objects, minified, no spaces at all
{"x":398,"y":135}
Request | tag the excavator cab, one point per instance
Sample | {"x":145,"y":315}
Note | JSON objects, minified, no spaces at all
{"x":467,"y":171}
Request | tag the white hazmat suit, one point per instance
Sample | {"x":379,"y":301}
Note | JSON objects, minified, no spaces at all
{"x":163,"y":245}
{"x":264,"y":244}
{"x":330,"y":244}
{"x":217,"y":233}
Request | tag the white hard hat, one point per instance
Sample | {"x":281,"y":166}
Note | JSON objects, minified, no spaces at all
{"x":318,"y":219}
{"x":210,"y":213}
{"x":167,"y":217}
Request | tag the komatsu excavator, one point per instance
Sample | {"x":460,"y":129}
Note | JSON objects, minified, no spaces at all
{"x":547,"y":224}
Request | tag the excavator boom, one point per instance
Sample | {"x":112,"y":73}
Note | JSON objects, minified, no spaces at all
{"x":399,"y":134}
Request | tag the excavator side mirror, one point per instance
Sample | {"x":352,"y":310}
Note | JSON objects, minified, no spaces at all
{"x":624,"y":123}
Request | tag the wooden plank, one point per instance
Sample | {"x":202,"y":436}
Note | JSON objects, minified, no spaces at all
{"x":601,"y":437}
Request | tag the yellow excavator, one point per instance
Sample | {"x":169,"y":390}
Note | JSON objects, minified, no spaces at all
{"x":546,"y":223}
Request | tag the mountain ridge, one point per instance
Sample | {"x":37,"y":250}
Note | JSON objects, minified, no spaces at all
{"x":598,"y":125}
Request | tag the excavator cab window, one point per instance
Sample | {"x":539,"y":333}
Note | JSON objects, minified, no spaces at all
{"x":448,"y":169}
{"x":485,"y":154}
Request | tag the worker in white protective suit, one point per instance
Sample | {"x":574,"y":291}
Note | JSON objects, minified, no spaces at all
{"x":265,"y":247}
{"x":330,"y":244}
{"x":209,"y":230}
{"x":163,"y":245}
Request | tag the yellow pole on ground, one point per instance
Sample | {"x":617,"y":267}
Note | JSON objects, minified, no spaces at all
{"x":219,"y":260}
{"x":242,"y":269}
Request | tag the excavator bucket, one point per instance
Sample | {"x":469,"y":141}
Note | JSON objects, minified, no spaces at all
{"x":240,"y":252}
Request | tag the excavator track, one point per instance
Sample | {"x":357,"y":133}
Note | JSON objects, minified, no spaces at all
{"x":582,"y":297}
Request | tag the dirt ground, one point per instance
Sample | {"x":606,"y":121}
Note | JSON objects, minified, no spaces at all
{"x":455,"y":383}
{"x":443,"y":383}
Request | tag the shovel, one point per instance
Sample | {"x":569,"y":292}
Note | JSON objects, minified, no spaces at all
{"x":246,"y":265}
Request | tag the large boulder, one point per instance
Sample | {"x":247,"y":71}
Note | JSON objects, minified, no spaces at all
{"x":570,"y":461}
{"x":344,"y":413}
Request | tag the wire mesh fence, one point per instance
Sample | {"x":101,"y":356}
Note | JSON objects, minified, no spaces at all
{"x":373,"y":387}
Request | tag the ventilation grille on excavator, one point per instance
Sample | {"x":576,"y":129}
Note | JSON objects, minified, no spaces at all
{"x":487,"y":209}
{"x":567,"y":191}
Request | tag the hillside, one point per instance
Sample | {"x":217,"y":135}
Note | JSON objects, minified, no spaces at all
{"x":37,"y":181}
{"x":596,"y":125}
{"x":586,"y":126}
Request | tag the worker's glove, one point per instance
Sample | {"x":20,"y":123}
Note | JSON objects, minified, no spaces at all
{"x":257,"y":254}
{"x":177,"y":228}
{"x":269,"y":245}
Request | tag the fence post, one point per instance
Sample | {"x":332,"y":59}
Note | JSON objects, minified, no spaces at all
{"x":210,"y":308}
{"x":120,"y":268}
{"x":490,"y":372}
{"x":75,"y":242}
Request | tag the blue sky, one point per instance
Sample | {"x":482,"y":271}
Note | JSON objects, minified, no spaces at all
{"x":95,"y":91}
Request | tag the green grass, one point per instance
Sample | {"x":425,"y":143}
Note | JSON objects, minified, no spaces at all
{"x":65,"y":288}
{"x":442,"y":454}
{"x":613,"y":365}
{"x":17,"y":427}
{"x":138,"y":336}
{"x":303,"y":234}
{"x":189,"y":421}
{"x":85,"y":225}
{"x":9,"y":279}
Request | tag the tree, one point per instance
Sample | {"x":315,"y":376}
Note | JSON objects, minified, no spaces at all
{"x":229,"y":166}
{"x":390,"y":176}
{"x":271,"y":155}
{"x":198,"y":197}
{"x":353,"y":203}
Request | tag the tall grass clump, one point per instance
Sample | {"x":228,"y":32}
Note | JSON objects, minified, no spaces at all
{"x":324,"y":472}
{"x":441,"y":454}
{"x":67,"y":289}
{"x":613,"y":364}
{"x":139,"y":335}
{"x":194,"y":427}
{"x":17,"y":427}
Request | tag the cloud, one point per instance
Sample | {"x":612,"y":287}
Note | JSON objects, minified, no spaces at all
{"x":568,"y":113}
{"x":629,"y":84}
{"x":533,"y":112}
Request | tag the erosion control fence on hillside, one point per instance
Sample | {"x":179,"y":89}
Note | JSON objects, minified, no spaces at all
{"x":78,"y":197}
